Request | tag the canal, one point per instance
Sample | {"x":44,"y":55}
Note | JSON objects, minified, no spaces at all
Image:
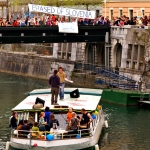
{"x":128,"y":127}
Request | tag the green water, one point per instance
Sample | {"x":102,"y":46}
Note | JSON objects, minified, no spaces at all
{"x":128,"y":127}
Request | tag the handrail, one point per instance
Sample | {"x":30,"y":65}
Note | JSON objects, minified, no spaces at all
{"x":40,"y":26}
{"x":61,"y":134}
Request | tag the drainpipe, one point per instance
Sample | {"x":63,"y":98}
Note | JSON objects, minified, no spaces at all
{"x":7,"y":9}
{"x":107,"y":49}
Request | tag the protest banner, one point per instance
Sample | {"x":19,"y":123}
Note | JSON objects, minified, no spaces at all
{"x":62,"y":11}
{"x":68,"y":27}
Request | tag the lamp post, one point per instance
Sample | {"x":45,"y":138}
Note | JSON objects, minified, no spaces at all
{"x":7,"y":10}
{"x":105,"y":7}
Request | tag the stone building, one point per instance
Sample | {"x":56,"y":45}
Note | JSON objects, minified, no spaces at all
{"x":3,"y":9}
{"x":92,"y":53}
{"x":125,"y":53}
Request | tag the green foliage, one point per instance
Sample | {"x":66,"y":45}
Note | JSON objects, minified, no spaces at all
{"x":143,"y":39}
{"x":59,"y":2}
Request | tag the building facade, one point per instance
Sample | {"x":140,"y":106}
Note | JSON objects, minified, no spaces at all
{"x":117,"y":8}
{"x":3,"y":8}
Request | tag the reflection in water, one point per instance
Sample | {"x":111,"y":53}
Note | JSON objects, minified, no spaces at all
{"x":128,"y":127}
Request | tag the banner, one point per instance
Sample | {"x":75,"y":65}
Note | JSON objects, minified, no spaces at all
{"x":62,"y":11}
{"x":69,"y":27}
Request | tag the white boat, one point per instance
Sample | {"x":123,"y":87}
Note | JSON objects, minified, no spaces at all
{"x":89,"y":99}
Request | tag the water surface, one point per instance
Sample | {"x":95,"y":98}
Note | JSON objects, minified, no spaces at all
{"x":128,"y":127}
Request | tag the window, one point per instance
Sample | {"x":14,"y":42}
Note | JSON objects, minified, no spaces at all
{"x":97,"y":13}
{"x":130,"y":13}
{"x":120,"y":12}
{"x":111,"y":14}
{"x":143,"y":12}
{"x":1,"y":13}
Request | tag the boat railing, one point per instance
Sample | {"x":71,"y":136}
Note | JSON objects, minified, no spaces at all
{"x":56,"y":135}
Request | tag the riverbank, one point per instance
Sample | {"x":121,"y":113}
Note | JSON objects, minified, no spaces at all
{"x":32,"y":65}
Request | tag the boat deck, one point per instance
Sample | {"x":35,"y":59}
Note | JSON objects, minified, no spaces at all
{"x":85,"y":91}
{"x":89,"y":99}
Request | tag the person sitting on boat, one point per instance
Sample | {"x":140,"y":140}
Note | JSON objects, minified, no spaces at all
{"x":53,"y":123}
{"x":69,"y":116}
{"x":20,"y":126}
{"x":36,"y":129}
{"x":25,"y":127}
{"x":74,"y":123}
{"x":86,"y":118}
{"x":42,"y":122}
{"x":13,"y":120}
{"x":47,"y":118}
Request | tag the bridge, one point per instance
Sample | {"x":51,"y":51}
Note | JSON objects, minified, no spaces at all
{"x":45,"y":34}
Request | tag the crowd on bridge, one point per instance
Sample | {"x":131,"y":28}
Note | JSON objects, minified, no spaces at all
{"x":54,"y":20}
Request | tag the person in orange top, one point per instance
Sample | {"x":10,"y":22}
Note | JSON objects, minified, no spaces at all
{"x":53,"y":17}
{"x":69,"y":116}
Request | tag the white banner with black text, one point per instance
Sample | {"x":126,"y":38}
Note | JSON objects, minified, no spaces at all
{"x":68,"y":27}
{"x":62,"y":11}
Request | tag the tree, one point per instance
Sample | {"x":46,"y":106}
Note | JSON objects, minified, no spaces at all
{"x":87,"y":3}
{"x":59,"y":2}
{"x":143,"y":38}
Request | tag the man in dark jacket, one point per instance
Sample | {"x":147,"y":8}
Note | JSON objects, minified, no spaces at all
{"x":54,"y":82}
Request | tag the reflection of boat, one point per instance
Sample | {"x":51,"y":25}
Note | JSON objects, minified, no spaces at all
{"x":86,"y":137}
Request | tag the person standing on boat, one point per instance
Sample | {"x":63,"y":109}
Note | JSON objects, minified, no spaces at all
{"x":47,"y":118}
{"x":62,"y":77}
{"x":13,"y":120}
{"x":86,"y":118}
{"x":47,"y":114}
{"x":54,"y":82}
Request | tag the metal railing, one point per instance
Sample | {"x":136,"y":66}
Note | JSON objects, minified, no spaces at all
{"x":61,"y":134}
{"x":58,"y":134}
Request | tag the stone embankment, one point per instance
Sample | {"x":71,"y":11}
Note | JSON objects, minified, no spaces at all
{"x":33,"y":65}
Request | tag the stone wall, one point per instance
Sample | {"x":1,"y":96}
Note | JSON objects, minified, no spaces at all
{"x":33,"y":65}
{"x":132,"y":54}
